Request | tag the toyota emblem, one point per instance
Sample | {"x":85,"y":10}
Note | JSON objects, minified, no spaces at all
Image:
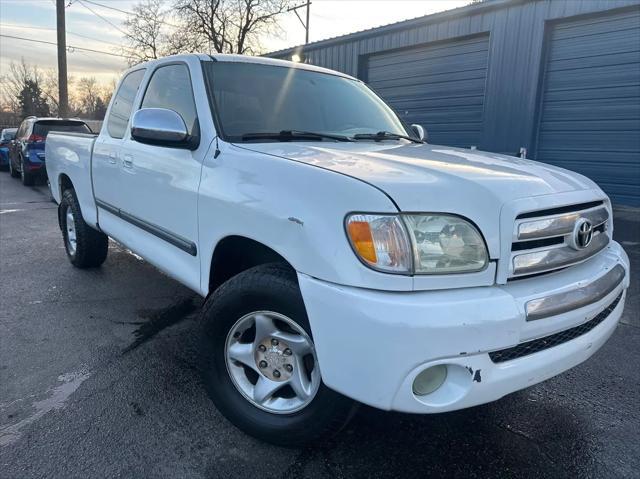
{"x":583,"y":233}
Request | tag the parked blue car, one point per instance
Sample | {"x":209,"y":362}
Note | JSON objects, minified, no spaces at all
{"x":6,"y":136}
{"x":26,"y":152}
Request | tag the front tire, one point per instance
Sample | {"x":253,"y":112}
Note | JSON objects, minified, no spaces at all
{"x":259,"y":363}
{"x":85,"y":246}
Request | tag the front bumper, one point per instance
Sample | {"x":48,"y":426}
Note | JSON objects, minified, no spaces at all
{"x":372,"y":344}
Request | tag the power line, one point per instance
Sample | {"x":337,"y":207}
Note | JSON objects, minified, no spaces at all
{"x":68,"y":31}
{"x":103,"y":18}
{"x":126,"y":12}
{"x":95,"y":39}
{"x":71,"y":47}
{"x":110,"y":8}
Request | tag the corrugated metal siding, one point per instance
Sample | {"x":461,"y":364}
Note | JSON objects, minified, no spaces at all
{"x":515,"y":59}
{"x":590,"y":114}
{"x":440,"y":86}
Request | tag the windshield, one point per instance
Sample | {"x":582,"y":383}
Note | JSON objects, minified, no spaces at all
{"x":42,"y":128}
{"x":252,"y":98}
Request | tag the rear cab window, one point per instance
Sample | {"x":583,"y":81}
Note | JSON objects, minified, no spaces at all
{"x":123,"y":103}
{"x":43,"y":128}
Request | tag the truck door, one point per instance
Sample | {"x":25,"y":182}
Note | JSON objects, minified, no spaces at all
{"x":159,"y":185}
{"x":106,"y":159}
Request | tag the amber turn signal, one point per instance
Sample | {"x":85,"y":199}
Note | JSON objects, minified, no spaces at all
{"x":362,"y":240}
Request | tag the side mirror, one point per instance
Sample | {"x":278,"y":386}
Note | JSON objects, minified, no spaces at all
{"x":160,"y":126}
{"x":419,"y":131}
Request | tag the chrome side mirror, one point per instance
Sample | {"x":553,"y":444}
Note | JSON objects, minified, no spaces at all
{"x":419,"y":131}
{"x":160,"y":126}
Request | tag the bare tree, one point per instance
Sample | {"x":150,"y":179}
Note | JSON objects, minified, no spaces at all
{"x":144,"y":34}
{"x":14,"y":82}
{"x":183,"y":40}
{"x":108,"y":90}
{"x":223,"y":26}
{"x":232,"y":26}
{"x":149,"y":34}
{"x":88,"y":94}
{"x":49,"y":84}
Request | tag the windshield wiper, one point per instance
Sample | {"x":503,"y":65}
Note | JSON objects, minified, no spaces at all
{"x":289,"y":135}
{"x":384,"y":135}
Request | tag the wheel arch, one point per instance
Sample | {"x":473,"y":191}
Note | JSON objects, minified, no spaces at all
{"x":64,"y":183}
{"x":234,"y":254}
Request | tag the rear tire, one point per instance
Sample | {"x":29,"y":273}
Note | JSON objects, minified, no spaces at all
{"x":85,"y":246}
{"x":28,"y":178}
{"x":270,"y":290}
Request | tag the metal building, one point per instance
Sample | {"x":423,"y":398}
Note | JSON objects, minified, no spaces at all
{"x":559,"y":79}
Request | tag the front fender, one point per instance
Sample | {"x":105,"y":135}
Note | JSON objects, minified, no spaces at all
{"x":295,"y":209}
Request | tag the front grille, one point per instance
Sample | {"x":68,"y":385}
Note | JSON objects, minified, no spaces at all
{"x":540,"y":344}
{"x":560,"y":210}
{"x":547,"y":240}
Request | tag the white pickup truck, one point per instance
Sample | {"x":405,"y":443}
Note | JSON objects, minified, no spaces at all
{"x":344,"y":259}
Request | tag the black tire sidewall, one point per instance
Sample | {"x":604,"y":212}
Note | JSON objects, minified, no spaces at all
{"x":268,"y":290}
{"x":92,"y":246}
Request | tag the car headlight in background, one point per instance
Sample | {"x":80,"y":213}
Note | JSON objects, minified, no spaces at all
{"x":417,"y":244}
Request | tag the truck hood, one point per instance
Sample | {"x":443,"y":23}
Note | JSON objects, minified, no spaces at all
{"x":432,"y":178}
{"x":423,"y":177}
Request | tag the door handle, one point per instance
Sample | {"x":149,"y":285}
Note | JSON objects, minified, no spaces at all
{"x":113,"y":157}
{"x":127,"y":161}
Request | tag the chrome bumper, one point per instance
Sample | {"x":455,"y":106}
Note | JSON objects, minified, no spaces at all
{"x":577,"y":298}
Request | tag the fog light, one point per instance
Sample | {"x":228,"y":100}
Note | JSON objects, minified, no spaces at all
{"x":429,"y":380}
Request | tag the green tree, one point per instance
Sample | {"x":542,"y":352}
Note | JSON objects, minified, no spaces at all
{"x":31,"y":99}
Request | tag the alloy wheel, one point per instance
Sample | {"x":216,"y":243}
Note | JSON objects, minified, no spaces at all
{"x":71,"y":233}
{"x":272,"y":362}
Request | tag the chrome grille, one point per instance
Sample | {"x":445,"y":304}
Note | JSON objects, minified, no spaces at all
{"x":546,"y":242}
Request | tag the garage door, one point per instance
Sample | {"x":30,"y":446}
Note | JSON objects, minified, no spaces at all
{"x":590,"y":112}
{"x":440,"y":86}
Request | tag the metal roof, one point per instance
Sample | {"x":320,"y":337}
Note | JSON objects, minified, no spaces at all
{"x":485,"y":5}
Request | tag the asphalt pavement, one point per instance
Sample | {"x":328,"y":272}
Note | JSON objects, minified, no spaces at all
{"x":98,"y":378}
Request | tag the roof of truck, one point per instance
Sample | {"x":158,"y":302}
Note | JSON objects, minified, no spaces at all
{"x":223,"y":57}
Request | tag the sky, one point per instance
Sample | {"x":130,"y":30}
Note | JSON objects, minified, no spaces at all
{"x":36,"y":19}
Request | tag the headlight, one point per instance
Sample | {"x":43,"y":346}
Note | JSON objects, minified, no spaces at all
{"x":417,"y":244}
{"x":445,"y":244}
{"x":381,"y":242}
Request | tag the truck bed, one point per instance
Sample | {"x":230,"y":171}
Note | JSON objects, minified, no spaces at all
{"x":69,"y":158}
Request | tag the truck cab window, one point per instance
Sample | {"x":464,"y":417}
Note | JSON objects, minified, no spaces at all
{"x":170,"y":88}
{"x":122,"y":104}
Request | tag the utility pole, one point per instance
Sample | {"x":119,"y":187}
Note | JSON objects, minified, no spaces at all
{"x":304,"y":24}
{"x":306,"y":27}
{"x":63,"y":94}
